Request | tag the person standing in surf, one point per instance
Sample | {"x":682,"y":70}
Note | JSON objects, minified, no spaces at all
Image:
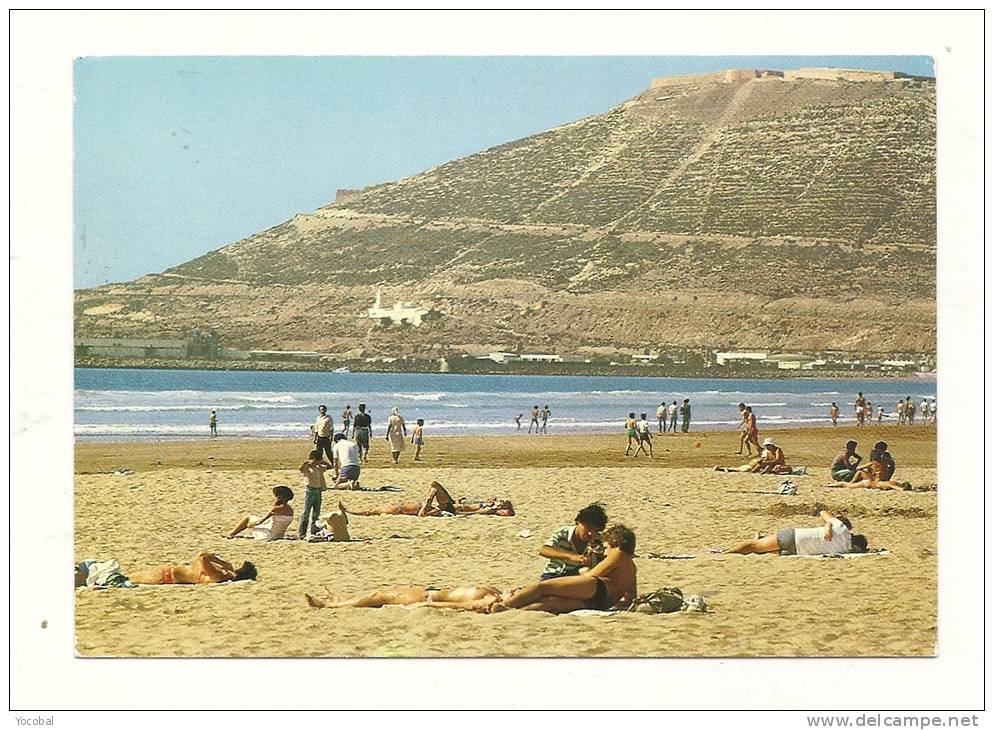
{"x":363,"y":428}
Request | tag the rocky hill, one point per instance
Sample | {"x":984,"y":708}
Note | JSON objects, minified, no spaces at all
{"x":745,"y":209}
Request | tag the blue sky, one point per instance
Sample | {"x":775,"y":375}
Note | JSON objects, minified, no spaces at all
{"x":177,"y":156}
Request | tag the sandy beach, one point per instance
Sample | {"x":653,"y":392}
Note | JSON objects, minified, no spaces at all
{"x":184,"y":496}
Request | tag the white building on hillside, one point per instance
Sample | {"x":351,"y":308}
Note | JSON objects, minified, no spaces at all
{"x":400,"y":312}
{"x":753,"y":356}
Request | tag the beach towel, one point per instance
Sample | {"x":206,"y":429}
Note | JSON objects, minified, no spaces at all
{"x":880,"y":552}
{"x":665,"y":556}
{"x":799,"y":471}
{"x":101,"y":574}
{"x":385,"y":488}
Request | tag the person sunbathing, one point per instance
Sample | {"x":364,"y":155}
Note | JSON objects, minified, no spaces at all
{"x":274,"y":524}
{"x":437,"y":503}
{"x":835,"y":537}
{"x":771,"y":460}
{"x":492,"y":506}
{"x":872,"y":483}
{"x":611,"y":583}
{"x":466,"y":598}
{"x":204,"y":568}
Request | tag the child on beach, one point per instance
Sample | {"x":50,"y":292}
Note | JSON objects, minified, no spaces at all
{"x":418,"y":439}
{"x":834,"y":414}
{"x":346,"y":418}
{"x":518,"y":420}
{"x":274,"y":524}
{"x":314,"y":469}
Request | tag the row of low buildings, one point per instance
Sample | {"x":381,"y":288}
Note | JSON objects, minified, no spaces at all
{"x":799,"y":361}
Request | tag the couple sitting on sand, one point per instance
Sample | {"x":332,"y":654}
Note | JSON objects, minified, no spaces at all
{"x":771,"y":460}
{"x":875,"y":474}
{"x":609,"y":584}
{"x":439,"y":503}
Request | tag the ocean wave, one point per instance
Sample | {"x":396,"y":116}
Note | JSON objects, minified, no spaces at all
{"x":413,"y":396}
{"x":159,"y":429}
{"x":765,"y":405}
{"x":190,"y":408}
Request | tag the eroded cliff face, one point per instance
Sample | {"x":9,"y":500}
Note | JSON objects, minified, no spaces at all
{"x":746,"y":210}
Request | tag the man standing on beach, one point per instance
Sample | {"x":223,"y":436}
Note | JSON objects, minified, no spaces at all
{"x":661,"y":417}
{"x":213,"y":423}
{"x":534,"y":421}
{"x":685,"y":415}
{"x":909,"y":410}
{"x":673,"y":411}
{"x":322,"y":430}
{"x":545,"y":419}
{"x":363,"y":429}
{"x":860,"y":407}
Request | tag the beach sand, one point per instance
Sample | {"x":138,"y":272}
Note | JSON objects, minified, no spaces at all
{"x":184,"y":496}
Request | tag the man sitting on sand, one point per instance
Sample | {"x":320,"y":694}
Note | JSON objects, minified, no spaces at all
{"x":835,"y":537}
{"x":274,"y":524}
{"x":569,"y":548}
{"x":204,"y":568}
{"x":845,"y":464}
{"x":611,"y":583}
{"x":467,"y":598}
{"x":771,"y":460}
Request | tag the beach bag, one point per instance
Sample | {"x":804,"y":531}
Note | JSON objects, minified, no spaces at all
{"x":665,"y":600}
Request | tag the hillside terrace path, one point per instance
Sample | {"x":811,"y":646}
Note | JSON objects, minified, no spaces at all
{"x":734,"y":104}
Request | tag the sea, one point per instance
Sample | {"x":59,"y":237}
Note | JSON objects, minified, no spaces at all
{"x":148,"y":405}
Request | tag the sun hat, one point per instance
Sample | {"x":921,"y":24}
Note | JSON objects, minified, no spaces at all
{"x":768,"y":442}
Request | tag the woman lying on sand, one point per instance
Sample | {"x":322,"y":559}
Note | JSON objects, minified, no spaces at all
{"x":467,"y":598}
{"x":276,"y":521}
{"x":610,"y":583}
{"x":205,"y":568}
{"x":872,"y":484}
{"x":437,"y":503}
{"x":835,"y":537}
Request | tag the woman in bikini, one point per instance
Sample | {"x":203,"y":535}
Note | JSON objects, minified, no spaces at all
{"x":612,"y":582}
{"x":205,"y":568}
{"x":278,"y":518}
{"x":467,"y":598}
{"x":437,"y":502}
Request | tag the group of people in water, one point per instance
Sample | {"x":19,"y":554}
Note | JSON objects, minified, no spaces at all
{"x":905,"y":411}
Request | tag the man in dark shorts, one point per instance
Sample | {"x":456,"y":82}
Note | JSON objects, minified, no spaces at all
{"x":363,"y":430}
